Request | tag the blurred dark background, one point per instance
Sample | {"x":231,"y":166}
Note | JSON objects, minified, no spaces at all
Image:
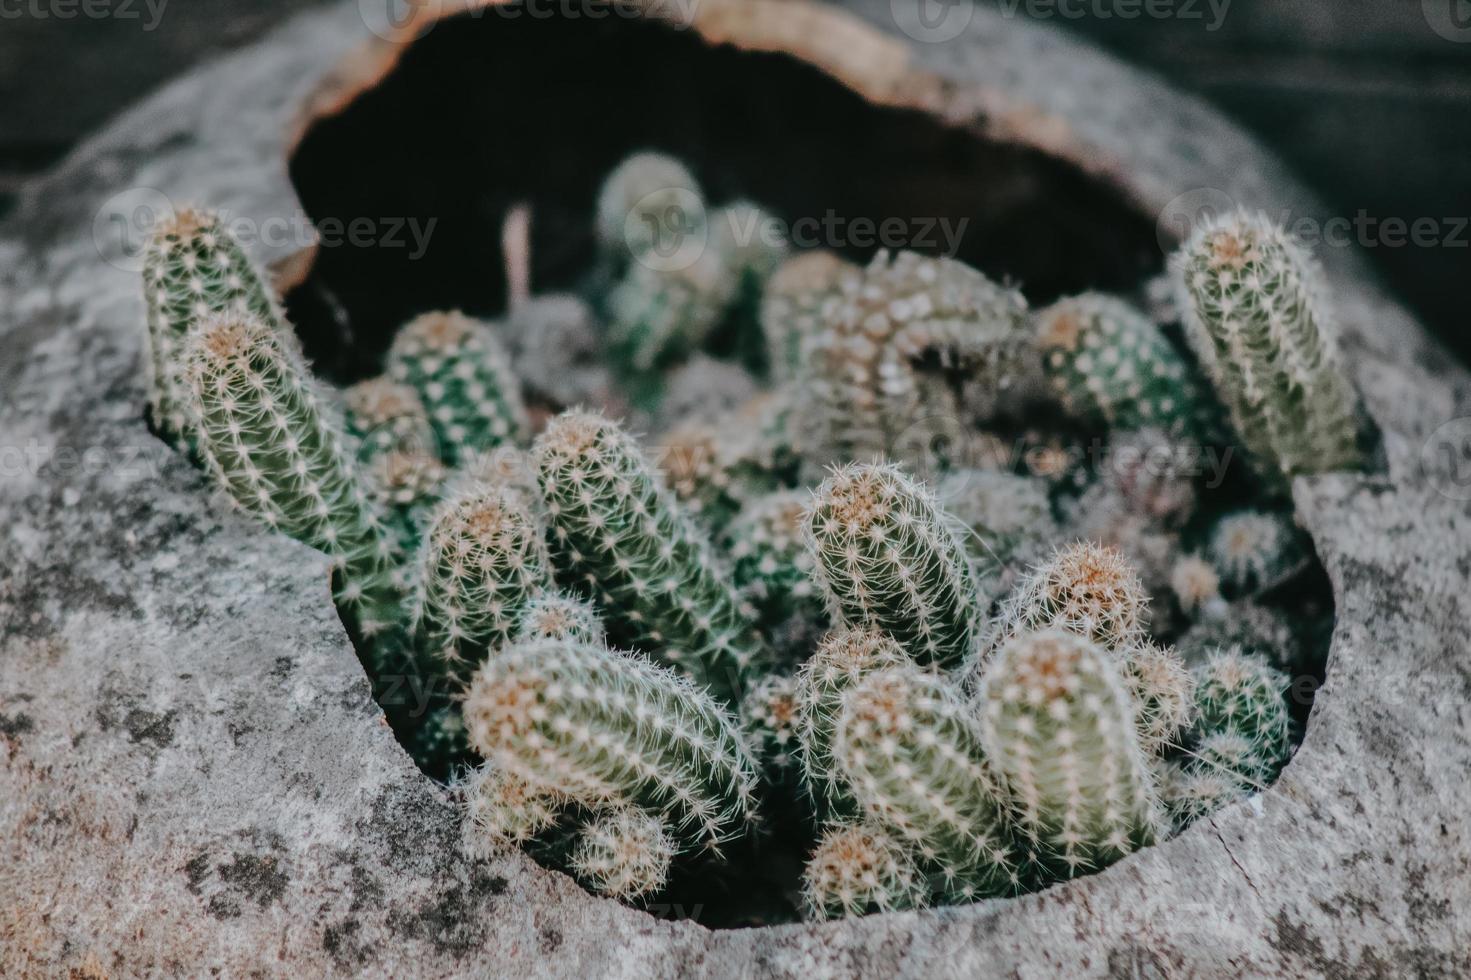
{"x":1370,"y":100}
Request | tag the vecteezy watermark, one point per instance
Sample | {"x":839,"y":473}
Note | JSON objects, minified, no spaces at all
{"x":1445,"y":459}
{"x":122,"y":227}
{"x":1202,"y":206}
{"x":1211,"y":12}
{"x":409,"y":20}
{"x":148,"y":12}
{"x":1451,"y":19}
{"x":932,"y":21}
{"x":36,"y":457}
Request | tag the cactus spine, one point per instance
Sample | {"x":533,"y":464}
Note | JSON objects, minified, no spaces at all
{"x":618,"y":533}
{"x":267,"y":436}
{"x":1254,"y":550}
{"x":913,"y":758}
{"x":1086,"y":588}
{"x":794,"y":307}
{"x":387,"y":417}
{"x":1164,"y":693}
{"x":558,"y":616}
{"x":1256,"y":316}
{"x":503,"y":810}
{"x":193,"y":270}
{"x":624,"y":853}
{"x":649,"y":203}
{"x":598,"y":724}
{"x":464,"y":378}
{"x":887,"y":556}
{"x":769,"y":713}
{"x":484,"y":558}
{"x":772,"y":567}
{"x":1058,"y":724}
{"x":1242,"y":695}
{"x":857,"y":869}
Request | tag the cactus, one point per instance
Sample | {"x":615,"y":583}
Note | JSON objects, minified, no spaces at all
{"x":1256,"y":315}
{"x":405,"y":485}
{"x":502,"y":810}
{"x":843,"y":658}
{"x":1197,"y":587}
{"x":881,"y":378}
{"x":1086,"y":588}
{"x":648,"y":203}
{"x":485,"y":556}
{"x":555,"y":344}
{"x":387,"y":417}
{"x":193,"y":270}
{"x":1164,"y":692}
{"x":617,"y":532}
{"x":1252,"y":626}
{"x":859,"y":868}
{"x":438,"y":744}
{"x":794,"y":307}
{"x":598,"y":724}
{"x":772,"y":567}
{"x":912,"y":756}
{"x":1255,"y":550}
{"x":271,"y":443}
{"x":1058,"y":726}
{"x":1242,"y":695}
{"x":1009,"y":519}
{"x":769,"y":714}
{"x":1194,"y":791}
{"x":464,"y":378}
{"x":886,"y":555}
{"x":1111,"y":366}
{"x":658,"y":315}
{"x":558,"y":616}
{"x":750,"y":242}
{"x":624,"y":853}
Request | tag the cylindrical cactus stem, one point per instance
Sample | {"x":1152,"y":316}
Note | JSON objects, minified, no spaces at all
{"x":1242,"y":694}
{"x":650,"y":202}
{"x":485,"y":556}
{"x":558,"y":616}
{"x":1164,"y":695}
{"x":857,"y":869}
{"x":405,"y":485}
{"x":1254,"y":550}
{"x":624,"y":853}
{"x":595,"y":723}
{"x":463,"y":376}
{"x":1193,"y":791}
{"x":1111,"y":366}
{"x":753,"y":244}
{"x":1008,"y":519}
{"x":794,"y":304}
{"x":503,"y":811}
{"x":888,"y":556}
{"x":843,"y":658}
{"x":769,"y":718}
{"x":269,"y":439}
{"x":387,"y":417}
{"x":1256,"y":314}
{"x":1087,"y":588}
{"x":658,"y":314}
{"x":618,"y":533}
{"x":900,"y":340}
{"x":912,"y":756}
{"x":193,"y":269}
{"x":1058,"y":724}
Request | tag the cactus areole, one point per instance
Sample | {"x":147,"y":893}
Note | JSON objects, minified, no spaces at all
{"x":808,"y":678}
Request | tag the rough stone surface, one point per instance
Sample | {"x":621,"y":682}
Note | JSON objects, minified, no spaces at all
{"x":194,"y":779}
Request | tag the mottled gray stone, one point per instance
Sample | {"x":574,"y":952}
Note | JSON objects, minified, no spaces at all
{"x":194,"y":779}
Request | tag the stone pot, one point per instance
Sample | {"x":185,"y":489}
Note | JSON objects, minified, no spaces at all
{"x":195,"y":777}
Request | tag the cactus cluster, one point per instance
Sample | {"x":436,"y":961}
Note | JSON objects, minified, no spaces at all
{"x":859,"y":605}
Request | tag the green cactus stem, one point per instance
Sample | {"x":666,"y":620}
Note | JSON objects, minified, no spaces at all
{"x":769,"y":716}
{"x":599,"y":724}
{"x":616,"y":532}
{"x":559,"y":616}
{"x":387,"y":417}
{"x":1086,"y":588}
{"x":887,"y":556}
{"x":912,"y":756}
{"x":772,"y":567}
{"x":405,"y":486}
{"x":1255,"y":550}
{"x":1164,"y":695}
{"x":795,"y":305}
{"x":269,"y":439}
{"x":463,"y":377}
{"x":624,"y":853}
{"x":1058,"y":724}
{"x":1241,"y":694}
{"x":194,"y":270}
{"x":1256,"y":314}
{"x":649,"y":203}
{"x":484,"y":558}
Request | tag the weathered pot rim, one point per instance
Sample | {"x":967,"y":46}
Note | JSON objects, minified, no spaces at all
{"x":274,"y":870}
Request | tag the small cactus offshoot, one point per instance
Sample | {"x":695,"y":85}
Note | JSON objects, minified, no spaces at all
{"x":1255,"y":550}
{"x":559,"y":616}
{"x":1242,"y":694}
{"x":387,"y":417}
{"x":624,"y":853}
{"x":1088,"y":589}
{"x":503,"y":811}
{"x":857,"y":869}
{"x":650,"y":202}
{"x":770,"y":715}
{"x":793,"y":310}
{"x":1257,"y":316}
